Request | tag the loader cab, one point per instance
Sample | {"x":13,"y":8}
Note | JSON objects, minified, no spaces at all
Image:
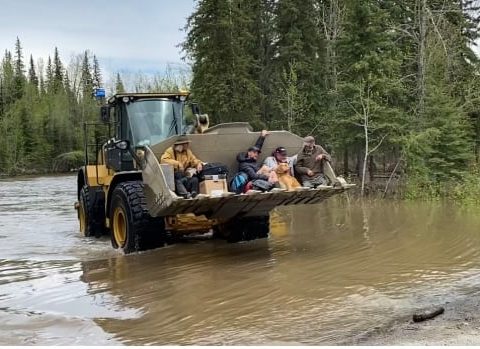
{"x":148,"y":119}
{"x":142,"y":119}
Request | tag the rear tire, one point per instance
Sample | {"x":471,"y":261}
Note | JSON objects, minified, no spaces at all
{"x":132,"y":227}
{"x":244,"y":229}
{"x":90,"y":214}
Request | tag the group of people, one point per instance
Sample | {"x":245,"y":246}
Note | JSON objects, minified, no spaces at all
{"x":311,"y":166}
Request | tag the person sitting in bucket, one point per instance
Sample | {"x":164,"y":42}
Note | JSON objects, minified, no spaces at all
{"x":280,"y":155}
{"x":185,"y":165}
{"x":313,"y":165}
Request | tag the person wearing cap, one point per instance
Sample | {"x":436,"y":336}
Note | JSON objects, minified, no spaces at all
{"x":182,"y":159}
{"x":247,"y":161}
{"x":313,"y":165}
{"x":280,"y":155}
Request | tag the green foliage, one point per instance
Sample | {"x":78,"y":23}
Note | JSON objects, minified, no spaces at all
{"x":219,"y":41}
{"x":466,"y":191}
{"x":38,"y":122}
{"x":440,"y":156}
{"x":387,"y":80}
{"x":291,"y":102}
{"x":119,"y":88}
{"x":395,"y":80}
{"x":68,"y":161}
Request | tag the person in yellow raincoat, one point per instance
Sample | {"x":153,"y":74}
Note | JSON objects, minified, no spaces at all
{"x":183,"y":161}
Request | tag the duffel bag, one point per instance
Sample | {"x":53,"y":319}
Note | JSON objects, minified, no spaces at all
{"x":212,"y":169}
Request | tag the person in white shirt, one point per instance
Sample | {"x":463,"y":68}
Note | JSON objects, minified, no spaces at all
{"x":280,"y":155}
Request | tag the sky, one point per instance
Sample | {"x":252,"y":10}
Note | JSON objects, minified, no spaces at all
{"x":126,"y":36}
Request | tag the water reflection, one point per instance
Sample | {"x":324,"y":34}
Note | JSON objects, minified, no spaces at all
{"x":327,"y":275}
{"x":318,"y":280}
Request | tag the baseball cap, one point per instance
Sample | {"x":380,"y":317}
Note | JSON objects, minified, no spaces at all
{"x":254,"y":148}
{"x":281,"y":151}
{"x":309,"y":139}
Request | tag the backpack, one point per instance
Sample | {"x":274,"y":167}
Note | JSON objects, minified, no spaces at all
{"x":238,"y":182}
{"x":213,"y":168}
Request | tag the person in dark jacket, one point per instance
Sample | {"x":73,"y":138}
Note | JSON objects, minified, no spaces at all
{"x":247,"y":161}
{"x":313,"y":165}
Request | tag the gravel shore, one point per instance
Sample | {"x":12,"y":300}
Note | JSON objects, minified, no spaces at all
{"x":458,"y":325}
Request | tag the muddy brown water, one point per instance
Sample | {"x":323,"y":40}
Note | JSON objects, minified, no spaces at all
{"x":329,"y":274}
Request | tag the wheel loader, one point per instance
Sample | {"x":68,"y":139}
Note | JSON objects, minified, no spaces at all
{"x":124,"y":190}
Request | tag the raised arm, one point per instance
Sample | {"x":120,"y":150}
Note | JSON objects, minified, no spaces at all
{"x":261,"y":139}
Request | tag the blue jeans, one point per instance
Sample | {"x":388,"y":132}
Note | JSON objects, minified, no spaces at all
{"x":185,"y":185}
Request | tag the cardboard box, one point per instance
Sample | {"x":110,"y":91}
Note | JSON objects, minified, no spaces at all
{"x":215,"y":177}
{"x":213,"y":187}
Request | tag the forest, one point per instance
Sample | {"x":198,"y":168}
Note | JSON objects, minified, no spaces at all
{"x":389,"y":87}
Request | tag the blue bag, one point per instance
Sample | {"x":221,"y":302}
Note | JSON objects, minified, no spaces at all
{"x":238,"y":182}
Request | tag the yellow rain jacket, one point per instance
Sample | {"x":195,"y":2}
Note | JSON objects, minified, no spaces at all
{"x":184,"y":159}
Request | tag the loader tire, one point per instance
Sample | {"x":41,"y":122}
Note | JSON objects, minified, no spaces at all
{"x":244,"y":229}
{"x":90,"y":214}
{"x":132,"y":228}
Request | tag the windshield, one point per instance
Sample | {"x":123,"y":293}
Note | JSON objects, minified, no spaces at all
{"x":152,"y":121}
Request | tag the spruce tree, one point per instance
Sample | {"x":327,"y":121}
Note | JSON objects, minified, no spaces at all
{"x":49,"y":82}
{"x":370,"y":87}
{"x":119,"y":88}
{"x":19,"y":76}
{"x":58,"y":73}
{"x":219,"y":44}
{"x":32,"y":75}
{"x":299,"y":43}
{"x":86,"y":80}
{"x":262,"y":50}
{"x":96,"y":73}
{"x":8,"y":81}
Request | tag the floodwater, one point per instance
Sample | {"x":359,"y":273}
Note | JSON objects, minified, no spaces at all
{"x":329,"y":274}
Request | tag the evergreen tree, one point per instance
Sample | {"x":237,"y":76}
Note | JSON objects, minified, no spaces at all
{"x":96,"y":73}
{"x":262,"y":50}
{"x":218,"y":41}
{"x":32,"y":75}
{"x":8,"y":81}
{"x":19,"y":75}
{"x":371,"y":92}
{"x":57,"y":72}
{"x":49,"y":83}
{"x":299,"y":42}
{"x":86,"y":80}
{"x":119,"y":88}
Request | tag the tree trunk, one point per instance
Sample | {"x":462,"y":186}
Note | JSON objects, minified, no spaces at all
{"x":345,"y":161}
{"x":421,"y":58}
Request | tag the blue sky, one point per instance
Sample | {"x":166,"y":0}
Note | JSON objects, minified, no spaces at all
{"x":126,"y":36}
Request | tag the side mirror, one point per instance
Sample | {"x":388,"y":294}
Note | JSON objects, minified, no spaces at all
{"x":195,"y":109}
{"x":105,"y":113}
{"x":122,"y":145}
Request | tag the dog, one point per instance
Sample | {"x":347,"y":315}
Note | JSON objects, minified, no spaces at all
{"x":286,"y":180}
{"x":202,"y":122}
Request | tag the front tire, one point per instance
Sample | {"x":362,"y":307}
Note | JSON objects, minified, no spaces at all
{"x":132,"y":228}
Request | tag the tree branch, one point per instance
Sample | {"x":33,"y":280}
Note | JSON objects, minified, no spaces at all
{"x":378,"y":145}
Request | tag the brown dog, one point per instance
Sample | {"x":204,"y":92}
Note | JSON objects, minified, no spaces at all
{"x":286,"y":180}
